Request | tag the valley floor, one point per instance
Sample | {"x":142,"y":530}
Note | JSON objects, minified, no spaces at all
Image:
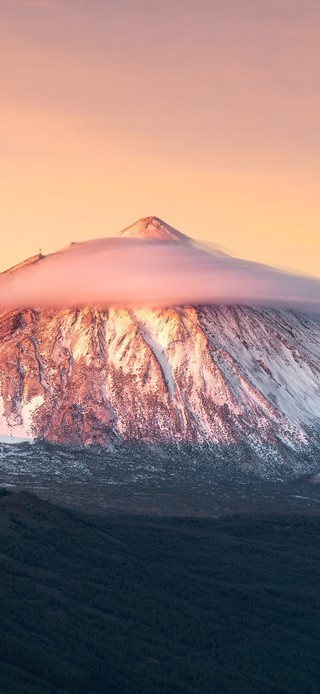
{"x":144,"y":604}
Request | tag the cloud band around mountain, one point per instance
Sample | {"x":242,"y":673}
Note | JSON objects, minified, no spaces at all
{"x":152,"y":273}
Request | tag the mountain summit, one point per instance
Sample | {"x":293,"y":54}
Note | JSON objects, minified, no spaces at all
{"x":154,"y":228}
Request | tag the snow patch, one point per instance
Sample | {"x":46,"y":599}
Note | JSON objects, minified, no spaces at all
{"x":11,"y":432}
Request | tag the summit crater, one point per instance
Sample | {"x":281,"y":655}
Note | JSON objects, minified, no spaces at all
{"x":154,"y":228}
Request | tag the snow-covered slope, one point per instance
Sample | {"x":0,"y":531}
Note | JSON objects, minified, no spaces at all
{"x":208,"y":376}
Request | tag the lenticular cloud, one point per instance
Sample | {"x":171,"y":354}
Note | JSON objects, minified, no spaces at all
{"x":151,"y":270}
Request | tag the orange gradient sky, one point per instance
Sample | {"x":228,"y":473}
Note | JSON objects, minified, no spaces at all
{"x":205,"y":113}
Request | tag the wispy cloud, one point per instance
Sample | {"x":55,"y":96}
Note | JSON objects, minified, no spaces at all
{"x":41,"y":4}
{"x":138,"y":272}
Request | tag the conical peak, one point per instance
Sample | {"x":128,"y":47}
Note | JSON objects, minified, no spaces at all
{"x":153,"y":228}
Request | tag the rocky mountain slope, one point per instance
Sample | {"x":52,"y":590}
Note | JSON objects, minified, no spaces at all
{"x":203,"y":375}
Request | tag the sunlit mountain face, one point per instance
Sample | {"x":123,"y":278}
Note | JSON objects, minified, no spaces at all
{"x":190,"y":377}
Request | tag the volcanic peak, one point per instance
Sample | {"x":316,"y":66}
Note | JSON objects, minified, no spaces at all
{"x":153,"y":228}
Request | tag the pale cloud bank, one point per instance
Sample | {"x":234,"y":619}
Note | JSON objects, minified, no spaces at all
{"x":154,"y":273}
{"x":38,"y":4}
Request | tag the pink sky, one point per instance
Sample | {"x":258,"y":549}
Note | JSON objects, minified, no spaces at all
{"x":206,"y":114}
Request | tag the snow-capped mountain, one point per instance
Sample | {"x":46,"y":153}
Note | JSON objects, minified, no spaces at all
{"x":213,"y":376}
